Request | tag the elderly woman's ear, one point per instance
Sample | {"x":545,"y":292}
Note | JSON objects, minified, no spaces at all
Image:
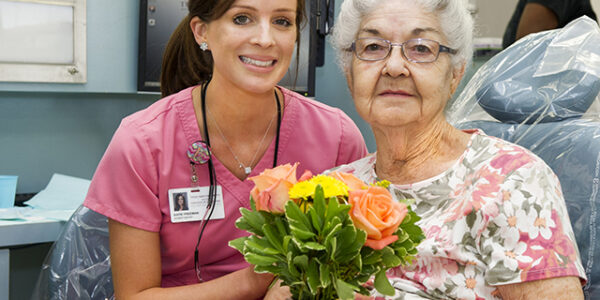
{"x":457,"y":75}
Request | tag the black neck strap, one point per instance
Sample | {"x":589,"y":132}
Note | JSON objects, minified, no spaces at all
{"x":212,"y":192}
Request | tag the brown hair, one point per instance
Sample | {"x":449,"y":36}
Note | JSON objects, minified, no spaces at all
{"x":184,"y":64}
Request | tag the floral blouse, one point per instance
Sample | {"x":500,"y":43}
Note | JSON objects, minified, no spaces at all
{"x":496,"y":217}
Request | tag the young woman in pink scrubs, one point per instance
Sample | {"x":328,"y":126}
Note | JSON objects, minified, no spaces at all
{"x":220,"y":75}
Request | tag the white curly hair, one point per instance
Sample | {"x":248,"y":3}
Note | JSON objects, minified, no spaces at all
{"x":454,"y":17}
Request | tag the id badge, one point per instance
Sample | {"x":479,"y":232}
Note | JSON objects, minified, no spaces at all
{"x":190,"y":204}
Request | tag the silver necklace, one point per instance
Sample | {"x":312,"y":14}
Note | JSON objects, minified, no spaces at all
{"x":247,"y":169}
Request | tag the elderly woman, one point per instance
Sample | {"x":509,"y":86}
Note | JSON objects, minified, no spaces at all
{"x":495,"y":221}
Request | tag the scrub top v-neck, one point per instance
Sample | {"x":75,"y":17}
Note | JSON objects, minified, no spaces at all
{"x":147,"y":157}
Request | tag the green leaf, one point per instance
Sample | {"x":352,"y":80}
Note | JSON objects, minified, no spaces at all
{"x":296,"y":217}
{"x":286,"y":242}
{"x":292,"y":266}
{"x":260,"y":246}
{"x":331,"y":228}
{"x":319,"y":193}
{"x":301,"y":261}
{"x":325,"y":275}
{"x":238,"y":244}
{"x":408,"y":244}
{"x":267,"y":269}
{"x":250,"y":221}
{"x":335,"y":209}
{"x":314,"y":246}
{"x":273,"y":237}
{"x":389,"y":258}
{"x":411,"y":218}
{"x":301,"y":234}
{"x":280,"y":223}
{"x":345,"y":290}
{"x":319,"y":202}
{"x":312,"y":276}
{"x":252,"y":203}
{"x":316,"y":221}
{"x":357,"y":262}
{"x":401,"y":252}
{"x":347,"y":248}
{"x":415,"y":233}
{"x":333,"y":244}
{"x":332,"y":209}
{"x":402,"y":235}
{"x":361,"y":236}
{"x":370,"y":256}
{"x":260,"y":260}
{"x":347,"y":235}
{"x":370,"y":270}
{"x":382,"y":284}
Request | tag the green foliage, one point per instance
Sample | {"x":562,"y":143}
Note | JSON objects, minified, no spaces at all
{"x":317,"y":251}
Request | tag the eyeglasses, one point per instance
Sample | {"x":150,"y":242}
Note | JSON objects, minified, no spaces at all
{"x":415,"y":50}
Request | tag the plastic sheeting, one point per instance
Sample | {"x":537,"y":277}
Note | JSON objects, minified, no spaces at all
{"x":542,"y":93}
{"x":78,"y":264}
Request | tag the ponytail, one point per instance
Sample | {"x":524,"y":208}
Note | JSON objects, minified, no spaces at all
{"x":184,"y":64}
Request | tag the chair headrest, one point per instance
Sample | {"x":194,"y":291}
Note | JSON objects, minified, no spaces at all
{"x":544,"y":77}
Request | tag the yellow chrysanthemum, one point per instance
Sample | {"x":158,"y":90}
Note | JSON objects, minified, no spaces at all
{"x":382,"y":183}
{"x":331,"y":186}
{"x":302,"y":190}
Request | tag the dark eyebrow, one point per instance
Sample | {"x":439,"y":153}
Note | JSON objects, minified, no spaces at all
{"x":253,"y":8}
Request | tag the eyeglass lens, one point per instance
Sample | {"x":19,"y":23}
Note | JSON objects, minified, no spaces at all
{"x":417,"y":50}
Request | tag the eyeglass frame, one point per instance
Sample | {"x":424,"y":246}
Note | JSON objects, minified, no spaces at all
{"x":441,"y":48}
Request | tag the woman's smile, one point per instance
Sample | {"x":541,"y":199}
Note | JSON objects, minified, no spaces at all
{"x":261,"y":64}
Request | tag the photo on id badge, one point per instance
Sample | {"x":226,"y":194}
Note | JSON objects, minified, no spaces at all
{"x":180,"y":201}
{"x":190,"y":204}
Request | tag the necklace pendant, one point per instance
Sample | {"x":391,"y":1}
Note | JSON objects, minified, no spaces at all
{"x":247,"y":170}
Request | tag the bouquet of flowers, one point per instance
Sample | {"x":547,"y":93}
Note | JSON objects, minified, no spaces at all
{"x":325,"y":236}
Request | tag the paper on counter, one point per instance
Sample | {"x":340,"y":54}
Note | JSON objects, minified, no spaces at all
{"x":31,"y":214}
{"x":62,"y":193}
{"x":61,"y":197}
{"x":15,"y":213}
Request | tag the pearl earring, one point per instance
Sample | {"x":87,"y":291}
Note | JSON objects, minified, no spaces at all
{"x":203,"y":46}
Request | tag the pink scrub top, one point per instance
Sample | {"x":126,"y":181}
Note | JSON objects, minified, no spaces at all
{"x":147,"y":157}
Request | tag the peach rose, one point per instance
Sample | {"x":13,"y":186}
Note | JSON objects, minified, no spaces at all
{"x":374,"y":211}
{"x":271,"y":188}
{"x":350,"y":180}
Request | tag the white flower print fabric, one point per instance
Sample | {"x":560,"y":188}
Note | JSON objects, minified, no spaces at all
{"x":496,"y":217}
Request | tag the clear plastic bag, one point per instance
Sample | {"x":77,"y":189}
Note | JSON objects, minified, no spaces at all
{"x":542,"y":93}
{"x":78,"y":264}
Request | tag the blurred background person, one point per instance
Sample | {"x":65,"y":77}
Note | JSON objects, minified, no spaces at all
{"x":532,"y":16}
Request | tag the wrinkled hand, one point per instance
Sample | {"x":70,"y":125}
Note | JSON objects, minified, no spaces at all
{"x":358,"y":296}
{"x":278,"y":292}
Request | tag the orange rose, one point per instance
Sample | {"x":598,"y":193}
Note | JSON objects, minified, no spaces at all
{"x":350,"y":180}
{"x":271,"y":188}
{"x":374,"y":211}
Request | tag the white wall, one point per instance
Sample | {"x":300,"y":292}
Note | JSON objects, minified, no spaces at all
{"x":596,"y":6}
{"x":492,"y":16}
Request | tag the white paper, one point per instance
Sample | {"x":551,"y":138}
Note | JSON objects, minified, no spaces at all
{"x":62,"y":193}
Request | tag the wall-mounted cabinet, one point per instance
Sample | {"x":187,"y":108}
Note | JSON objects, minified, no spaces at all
{"x":43,"y":41}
